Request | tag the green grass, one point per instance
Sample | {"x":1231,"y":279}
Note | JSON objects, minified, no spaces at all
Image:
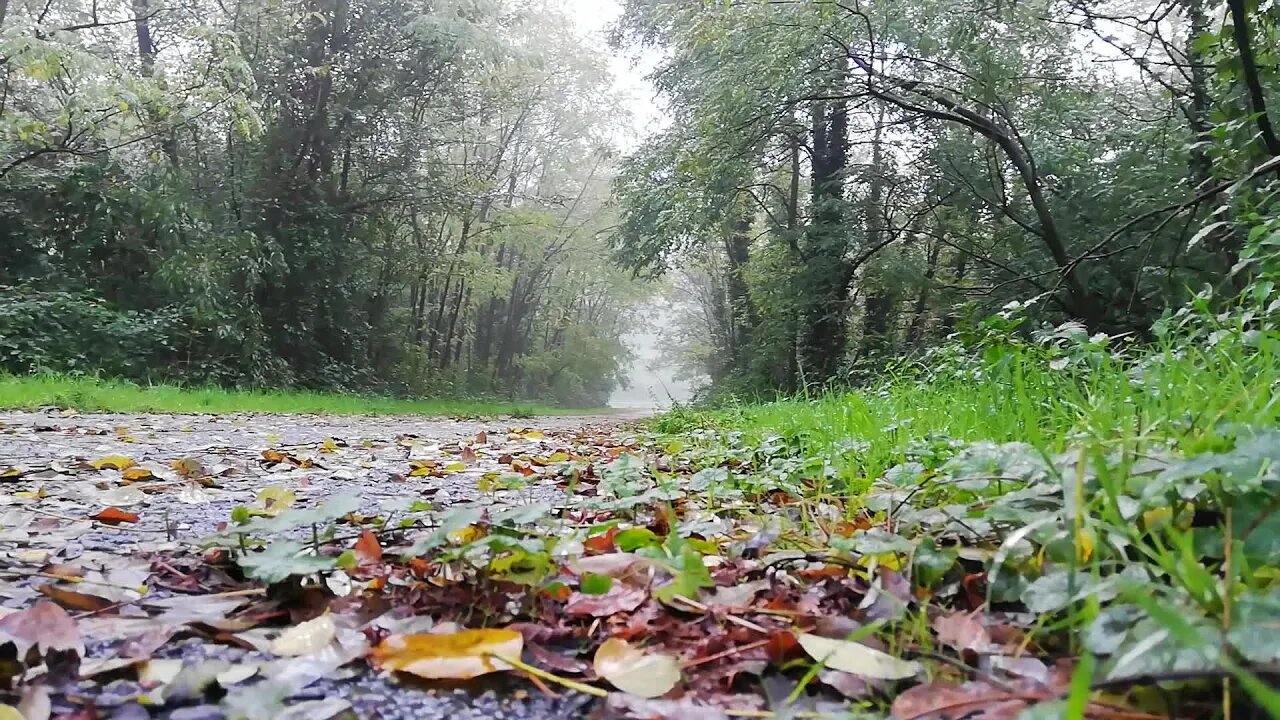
{"x":1016,"y":395}
{"x":92,"y":394}
{"x":1149,"y":469}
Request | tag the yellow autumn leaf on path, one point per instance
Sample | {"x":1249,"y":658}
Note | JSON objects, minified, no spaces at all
{"x":188,"y":467}
{"x":113,"y":462}
{"x":455,"y":656}
{"x":634,"y":671}
{"x":135,"y":474}
{"x":275,"y":500}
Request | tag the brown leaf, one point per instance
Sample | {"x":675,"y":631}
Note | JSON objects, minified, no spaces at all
{"x":944,"y":701}
{"x":962,"y":631}
{"x":115,"y":516}
{"x":602,"y":543}
{"x":546,"y":658}
{"x":73,"y":600}
{"x":620,"y":598}
{"x":367,"y":549}
{"x":44,"y":627}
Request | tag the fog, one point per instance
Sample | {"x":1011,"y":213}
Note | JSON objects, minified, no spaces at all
{"x":651,"y":382}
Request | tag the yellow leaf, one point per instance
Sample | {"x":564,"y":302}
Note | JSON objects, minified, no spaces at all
{"x":273,"y":438}
{"x":274,"y":500}
{"x":328,"y":446}
{"x":9,"y":712}
{"x":31,"y":494}
{"x":532,"y":435}
{"x":634,"y":671}
{"x":457,"y":656}
{"x":856,"y":658}
{"x":10,"y":472}
{"x":455,"y":467}
{"x":470,"y":533}
{"x":422,"y":468}
{"x":1158,"y":517}
{"x":114,"y":462}
{"x":893,"y":561}
{"x":135,"y":474}
{"x":488,"y":482}
{"x":558,"y":456}
{"x":188,"y":467}
{"x":306,"y":638}
{"x":1084,"y":545}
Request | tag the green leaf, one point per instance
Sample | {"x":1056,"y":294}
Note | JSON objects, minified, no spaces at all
{"x":689,"y":576}
{"x":283,"y":559}
{"x":632,"y":539}
{"x":593,"y":584}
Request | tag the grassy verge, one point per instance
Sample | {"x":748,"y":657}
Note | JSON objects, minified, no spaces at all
{"x":92,"y":394}
{"x":1127,"y":501}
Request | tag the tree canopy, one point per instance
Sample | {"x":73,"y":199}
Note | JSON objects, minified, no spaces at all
{"x":392,"y":195}
{"x":850,"y":181}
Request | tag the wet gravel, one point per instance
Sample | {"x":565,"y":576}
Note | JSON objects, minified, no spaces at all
{"x":372,"y":461}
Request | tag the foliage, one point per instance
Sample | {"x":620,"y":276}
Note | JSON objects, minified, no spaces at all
{"x":381,"y":195}
{"x":865,"y":179}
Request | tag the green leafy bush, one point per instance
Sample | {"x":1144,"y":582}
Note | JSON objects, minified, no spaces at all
{"x":76,"y":332}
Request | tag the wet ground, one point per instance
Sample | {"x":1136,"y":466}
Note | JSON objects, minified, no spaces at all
{"x":57,"y":469}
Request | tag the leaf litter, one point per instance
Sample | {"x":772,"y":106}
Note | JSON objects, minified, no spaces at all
{"x":260,"y":556}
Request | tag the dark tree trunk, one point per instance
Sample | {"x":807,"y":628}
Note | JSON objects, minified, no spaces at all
{"x":826,"y":276}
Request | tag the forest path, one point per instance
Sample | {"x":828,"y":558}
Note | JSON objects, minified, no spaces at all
{"x":158,"y":485}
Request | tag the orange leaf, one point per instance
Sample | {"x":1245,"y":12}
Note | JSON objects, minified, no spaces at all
{"x":602,"y":543}
{"x":136,"y":473}
{"x":367,"y":549}
{"x":115,"y":516}
{"x":73,"y":600}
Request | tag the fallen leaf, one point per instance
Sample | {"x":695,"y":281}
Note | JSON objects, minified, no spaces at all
{"x":44,"y":627}
{"x":456,"y":656}
{"x":962,"y":631}
{"x":115,"y":516}
{"x":943,"y":701}
{"x":272,"y":501}
{"x":188,"y":467}
{"x":621,"y":597}
{"x":35,"y":703}
{"x":136,"y":473}
{"x":113,"y":462}
{"x":73,"y":600}
{"x":634,"y":671}
{"x":306,"y":638}
{"x":367,"y":549}
{"x":856,"y":658}
{"x":628,"y":707}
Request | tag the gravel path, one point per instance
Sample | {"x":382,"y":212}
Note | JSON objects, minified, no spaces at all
{"x":49,"y":484}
